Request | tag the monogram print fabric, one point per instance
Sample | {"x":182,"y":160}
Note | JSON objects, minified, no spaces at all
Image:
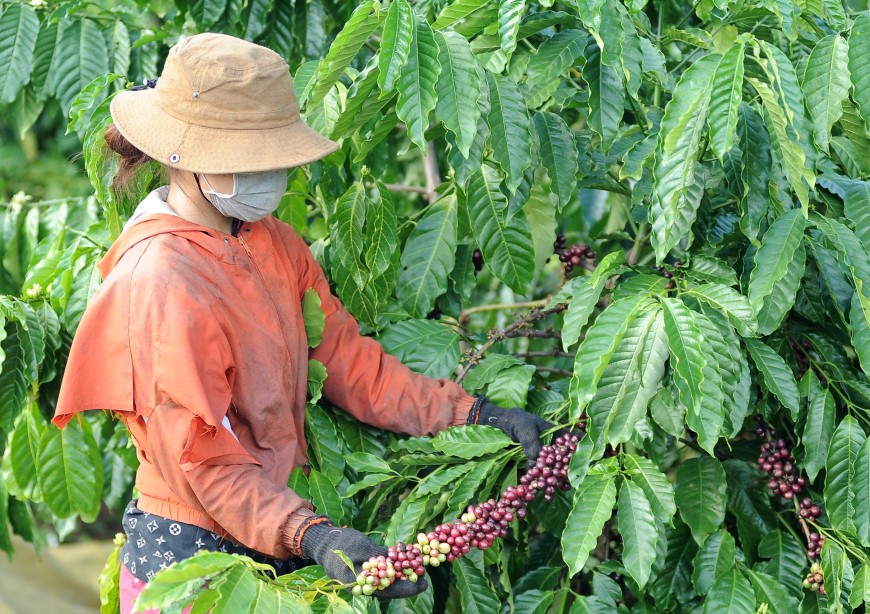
{"x":154,"y":543}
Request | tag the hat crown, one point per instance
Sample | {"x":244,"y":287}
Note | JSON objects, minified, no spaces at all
{"x":219,"y":81}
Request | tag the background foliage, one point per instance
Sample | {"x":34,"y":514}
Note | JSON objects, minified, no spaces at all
{"x":715,"y":158}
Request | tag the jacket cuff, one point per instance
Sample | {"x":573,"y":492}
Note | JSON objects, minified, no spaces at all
{"x":291,"y":528}
{"x":462,"y":409}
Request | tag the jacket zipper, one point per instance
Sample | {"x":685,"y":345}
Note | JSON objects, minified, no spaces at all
{"x":266,"y":287}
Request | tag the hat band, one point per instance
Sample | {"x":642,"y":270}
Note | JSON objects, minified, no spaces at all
{"x":196,"y":115}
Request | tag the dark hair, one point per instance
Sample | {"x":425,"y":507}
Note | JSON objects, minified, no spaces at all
{"x":130,"y":158}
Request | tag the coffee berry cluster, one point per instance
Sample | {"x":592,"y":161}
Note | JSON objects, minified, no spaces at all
{"x":775,"y":458}
{"x":572,"y":256}
{"x":478,"y":527}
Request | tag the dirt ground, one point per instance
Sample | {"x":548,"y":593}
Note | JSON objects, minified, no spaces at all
{"x":60,"y":580}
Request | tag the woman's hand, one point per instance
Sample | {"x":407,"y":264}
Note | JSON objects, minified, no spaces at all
{"x":319,"y":542}
{"x":519,"y":425}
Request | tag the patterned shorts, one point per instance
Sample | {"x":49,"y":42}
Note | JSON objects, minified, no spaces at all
{"x":154,"y":543}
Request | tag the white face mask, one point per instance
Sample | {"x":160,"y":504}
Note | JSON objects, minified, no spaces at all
{"x":255,"y":195}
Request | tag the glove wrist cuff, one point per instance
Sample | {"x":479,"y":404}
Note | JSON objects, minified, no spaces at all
{"x":476,"y":407}
{"x":312,"y":524}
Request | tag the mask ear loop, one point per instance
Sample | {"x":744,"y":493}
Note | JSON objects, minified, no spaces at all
{"x":199,"y":187}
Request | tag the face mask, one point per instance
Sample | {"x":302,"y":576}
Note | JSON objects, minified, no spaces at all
{"x":255,"y":195}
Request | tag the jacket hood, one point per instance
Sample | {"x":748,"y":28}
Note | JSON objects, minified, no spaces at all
{"x":161,"y":223}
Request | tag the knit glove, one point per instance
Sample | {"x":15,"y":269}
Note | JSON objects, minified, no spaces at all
{"x":519,"y":425}
{"x":319,"y":541}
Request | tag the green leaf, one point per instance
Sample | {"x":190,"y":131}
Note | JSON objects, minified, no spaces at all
{"x":316,"y":377}
{"x":470,"y":441}
{"x":727,"y":93}
{"x":799,"y":176}
{"x":348,"y":239}
{"x":677,"y":195}
{"x":730,"y":302}
{"x":655,"y":484}
{"x":819,"y":426}
{"x":457,"y":11}
{"x":860,"y":589}
{"x":81,"y":56}
{"x":510,"y":12}
{"x":70,"y":479}
{"x":110,"y":580}
{"x":840,"y":475}
{"x":734,"y":367}
{"x":606,"y":95}
{"x":857,"y":209}
{"x":424,"y":346}
{"x":504,"y":241}
{"x":699,"y":492}
{"x":511,"y":386}
{"x":362,"y":22}
{"x":323,"y":437}
{"x":558,"y":154}
{"x":325,"y":497}
{"x":731,"y":593}
{"x":237,"y":587}
{"x":837,"y":572}
{"x":24,"y":450}
{"x":755,"y":154}
{"x":418,"y":79}
{"x":862,"y":493}
{"x":715,"y":558}
{"x":19,"y":28}
{"x":5,"y":541}
{"x":485,"y":371}
{"x":675,"y":580}
{"x":13,"y":375}
{"x":458,"y":89}
{"x":511,"y":129}
{"x":395,"y":44}
{"x":179,"y":583}
{"x":787,"y":558}
{"x":709,"y":421}
{"x":774,"y":267}
{"x":381,"y":234}
{"x":362,"y":103}
{"x":43,"y":54}
{"x":602,"y":340}
{"x":593,"y":505}
{"x":777,"y":378}
{"x":859,"y":59}
{"x":476,"y":594}
{"x":585,"y":293}
{"x":687,"y":356}
{"x":534,"y":601}
{"x":313,"y":316}
{"x":629,"y":381}
{"x":826,"y":85}
{"x":428,"y":258}
{"x":638,"y":530}
{"x":556,"y":55}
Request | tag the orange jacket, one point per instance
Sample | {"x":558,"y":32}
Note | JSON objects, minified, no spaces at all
{"x":196,"y":340}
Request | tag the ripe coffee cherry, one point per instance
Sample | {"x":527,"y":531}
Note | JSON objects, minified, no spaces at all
{"x":478,"y":527}
{"x":477,"y":260}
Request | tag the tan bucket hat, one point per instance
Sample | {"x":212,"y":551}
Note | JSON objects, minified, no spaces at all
{"x":222,"y":105}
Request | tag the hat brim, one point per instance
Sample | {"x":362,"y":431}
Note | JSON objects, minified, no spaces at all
{"x":200,"y":149}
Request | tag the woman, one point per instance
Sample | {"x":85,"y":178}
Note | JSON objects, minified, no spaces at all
{"x":196,"y":339}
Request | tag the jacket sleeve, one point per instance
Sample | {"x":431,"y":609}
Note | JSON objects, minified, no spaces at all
{"x":184,"y":370}
{"x":370,"y":384}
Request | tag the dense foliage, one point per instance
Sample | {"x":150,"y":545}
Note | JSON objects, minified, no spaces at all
{"x":706,"y":320}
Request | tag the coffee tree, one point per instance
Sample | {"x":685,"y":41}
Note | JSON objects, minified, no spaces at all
{"x":645,"y":220}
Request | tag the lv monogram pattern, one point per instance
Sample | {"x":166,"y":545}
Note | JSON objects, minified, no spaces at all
{"x":154,"y":543}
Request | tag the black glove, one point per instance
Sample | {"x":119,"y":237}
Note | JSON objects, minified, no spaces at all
{"x":320,"y":540}
{"x":519,"y":425}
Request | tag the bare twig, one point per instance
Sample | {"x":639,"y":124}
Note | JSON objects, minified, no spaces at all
{"x":545,"y":354}
{"x":565,"y":372}
{"x":433,"y":179}
{"x":467,"y":313}
{"x":521,"y":327}
{"x":398,"y":187}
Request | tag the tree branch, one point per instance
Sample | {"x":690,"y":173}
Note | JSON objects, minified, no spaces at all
{"x":519,"y":328}
{"x":398,"y":187}
{"x":433,"y":178}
